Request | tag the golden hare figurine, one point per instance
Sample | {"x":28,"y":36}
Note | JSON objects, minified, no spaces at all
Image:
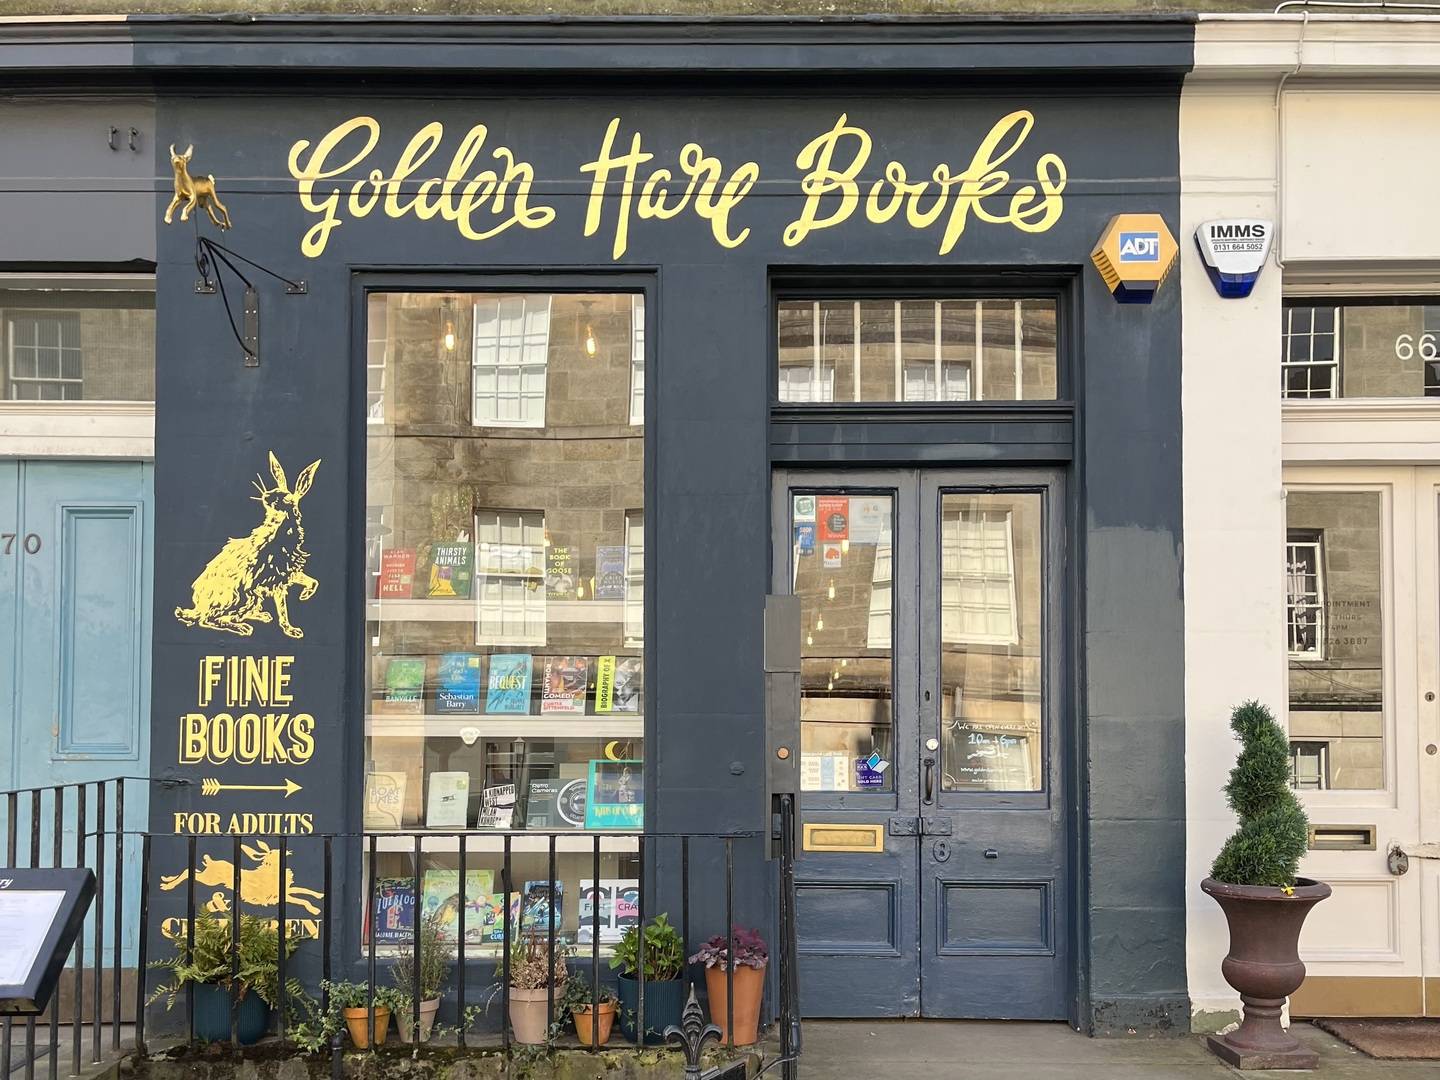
{"x":193,"y":192}
{"x":231,"y":591}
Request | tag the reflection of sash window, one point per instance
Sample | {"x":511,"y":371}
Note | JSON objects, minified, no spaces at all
{"x":377,"y":345}
{"x":637,"y":359}
{"x":512,"y":342}
{"x":634,"y":577}
{"x":510,"y":577}
{"x":878,"y":630}
{"x":977,"y":592}
{"x":1305,"y":594}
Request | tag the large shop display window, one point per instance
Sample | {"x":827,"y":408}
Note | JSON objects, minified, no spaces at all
{"x":505,"y":604}
{"x":916,"y":350}
{"x":1383,"y":347}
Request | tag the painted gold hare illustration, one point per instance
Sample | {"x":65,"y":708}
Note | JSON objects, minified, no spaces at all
{"x":231,"y":591}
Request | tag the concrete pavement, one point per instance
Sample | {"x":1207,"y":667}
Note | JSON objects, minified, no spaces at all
{"x":963,"y":1050}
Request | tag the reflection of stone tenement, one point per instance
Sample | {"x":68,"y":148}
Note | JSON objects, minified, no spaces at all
{"x":231,"y":591}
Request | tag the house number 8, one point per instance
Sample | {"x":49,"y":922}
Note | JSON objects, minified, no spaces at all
{"x":31,"y":542}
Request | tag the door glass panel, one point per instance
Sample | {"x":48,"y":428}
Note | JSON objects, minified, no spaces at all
{"x":1335,"y":635}
{"x":992,"y":650}
{"x":842,"y":556}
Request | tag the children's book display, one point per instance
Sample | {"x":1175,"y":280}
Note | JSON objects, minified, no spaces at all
{"x":440,"y":896}
{"x":616,"y":796}
{"x":619,"y":905}
{"x":394,"y":921}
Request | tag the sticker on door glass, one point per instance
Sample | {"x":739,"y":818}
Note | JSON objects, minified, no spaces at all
{"x":832,"y":557}
{"x":869,"y":519}
{"x":834,"y":513}
{"x":870,"y":772}
{"x":805,"y":539}
{"x":804,"y":507}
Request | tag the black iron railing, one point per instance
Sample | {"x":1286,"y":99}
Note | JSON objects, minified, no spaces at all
{"x":87,"y":827}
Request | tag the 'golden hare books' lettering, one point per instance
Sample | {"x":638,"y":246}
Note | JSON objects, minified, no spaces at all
{"x":484,"y":201}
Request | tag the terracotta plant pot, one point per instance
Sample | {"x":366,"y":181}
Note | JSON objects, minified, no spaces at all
{"x":1264,"y":965}
{"x":602,"y":1021}
{"x":530,"y":1015}
{"x":403,"y":1018}
{"x":749,"y":989}
{"x":359,"y":1026}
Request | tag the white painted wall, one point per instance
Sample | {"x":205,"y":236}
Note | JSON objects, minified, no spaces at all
{"x":1360,"y":102}
{"x":1234,"y":511}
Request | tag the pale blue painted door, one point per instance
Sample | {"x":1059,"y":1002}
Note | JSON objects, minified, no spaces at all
{"x":75,"y":596}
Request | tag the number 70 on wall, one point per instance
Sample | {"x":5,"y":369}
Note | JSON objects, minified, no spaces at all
{"x":30,"y":543}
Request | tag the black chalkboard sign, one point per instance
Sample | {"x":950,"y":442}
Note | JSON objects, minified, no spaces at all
{"x":41,"y":912}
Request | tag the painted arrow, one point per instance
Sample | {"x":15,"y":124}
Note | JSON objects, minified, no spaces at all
{"x":212,"y":786}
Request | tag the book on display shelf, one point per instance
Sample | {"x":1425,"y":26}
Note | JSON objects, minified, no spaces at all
{"x":566,"y":680}
{"x":404,"y":686}
{"x":451,"y":571}
{"x":497,"y":807}
{"x":507,"y":689}
{"x":397,"y":574}
{"x":458,"y":683}
{"x":385,"y":799}
{"x":448,"y":804}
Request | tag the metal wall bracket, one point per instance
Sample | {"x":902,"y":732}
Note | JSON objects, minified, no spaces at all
{"x":904,"y":826}
{"x":935,"y":826}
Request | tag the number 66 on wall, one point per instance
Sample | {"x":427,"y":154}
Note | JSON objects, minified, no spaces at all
{"x":31,"y":543}
{"x":1407,"y":345}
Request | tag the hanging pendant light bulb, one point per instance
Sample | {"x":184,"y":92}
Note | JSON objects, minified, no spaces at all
{"x":809,"y":639}
{"x":830,"y":592}
{"x":591,"y":344}
{"x":844,"y":547}
{"x":830,"y":685}
{"x":449,"y":337}
{"x":819,"y":622}
{"x":844,"y":663}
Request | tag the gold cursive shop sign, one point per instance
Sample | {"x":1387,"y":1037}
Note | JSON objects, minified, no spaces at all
{"x":486,"y":191}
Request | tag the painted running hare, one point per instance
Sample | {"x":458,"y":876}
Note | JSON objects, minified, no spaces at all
{"x":231,"y":591}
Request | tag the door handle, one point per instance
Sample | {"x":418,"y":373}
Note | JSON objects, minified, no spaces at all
{"x":929,"y":780}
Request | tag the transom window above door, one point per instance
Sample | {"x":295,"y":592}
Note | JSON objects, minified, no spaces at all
{"x":1384,"y":347}
{"x":916,"y":350}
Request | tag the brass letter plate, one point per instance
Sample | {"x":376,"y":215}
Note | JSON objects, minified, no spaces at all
{"x":838,"y":837}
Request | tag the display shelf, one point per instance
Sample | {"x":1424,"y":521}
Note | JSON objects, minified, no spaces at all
{"x":520,"y":844}
{"x":491,"y":950}
{"x":558,"y":726}
{"x":608,"y":612}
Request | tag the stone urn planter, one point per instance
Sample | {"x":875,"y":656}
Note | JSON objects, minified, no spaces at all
{"x":1264,"y":966}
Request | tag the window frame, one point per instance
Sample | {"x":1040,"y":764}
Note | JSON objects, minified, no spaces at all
{"x":881,"y":283}
{"x":366,"y":283}
{"x":1342,"y":295}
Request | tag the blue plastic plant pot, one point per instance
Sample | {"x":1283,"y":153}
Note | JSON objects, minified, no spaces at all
{"x":664,"y":1002}
{"x":212,"y":1015}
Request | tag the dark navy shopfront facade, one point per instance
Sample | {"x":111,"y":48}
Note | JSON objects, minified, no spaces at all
{"x":830,"y":187}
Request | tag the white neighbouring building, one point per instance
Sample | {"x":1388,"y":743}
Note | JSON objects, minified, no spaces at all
{"x":1312,"y":480}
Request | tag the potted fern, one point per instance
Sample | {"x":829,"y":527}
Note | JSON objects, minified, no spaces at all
{"x":209,"y":965}
{"x":437,"y":956}
{"x":1254,"y":880}
{"x":664,"y":964}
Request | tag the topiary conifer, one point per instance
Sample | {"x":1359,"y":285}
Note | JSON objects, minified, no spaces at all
{"x":1267,"y":847}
